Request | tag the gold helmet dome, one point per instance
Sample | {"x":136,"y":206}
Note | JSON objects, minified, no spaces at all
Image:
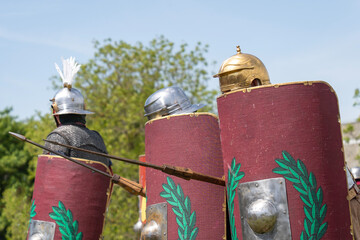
{"x":242,"y":71}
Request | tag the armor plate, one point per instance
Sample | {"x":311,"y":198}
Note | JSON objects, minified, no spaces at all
{"x":291,"y":131}
{"x":192,"y":141}
{"x":71,"y":196}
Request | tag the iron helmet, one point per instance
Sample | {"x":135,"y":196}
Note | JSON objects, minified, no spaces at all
{"x":68,"y":100}
{"x":242,"y":71}
{"x":169,"y":101}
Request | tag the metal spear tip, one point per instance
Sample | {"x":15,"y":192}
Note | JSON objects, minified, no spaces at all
{"x":18,"y":136}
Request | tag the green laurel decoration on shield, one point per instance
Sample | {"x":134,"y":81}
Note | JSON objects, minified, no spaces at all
{"x":181,"y":206}
{"x":305,"y":184}
{"x":64,"y":219}
{"x":234,"y":176}
{"x":32,"y":210}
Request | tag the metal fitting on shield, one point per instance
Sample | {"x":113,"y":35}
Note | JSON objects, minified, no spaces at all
{"x":262,"y":216}
{"x":156,"y":226}
{"x":41,"y":230}
{"x":242,"y":71}
{"x":138,"y":227}
{"x":264,"y":209}
{"x":169,"y":101}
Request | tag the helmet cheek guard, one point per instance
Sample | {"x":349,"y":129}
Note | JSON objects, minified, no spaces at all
{"x":54,"y":107}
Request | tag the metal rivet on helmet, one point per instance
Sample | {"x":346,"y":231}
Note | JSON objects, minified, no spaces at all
{"x":242,"y":71}
{"x":169,"y":101}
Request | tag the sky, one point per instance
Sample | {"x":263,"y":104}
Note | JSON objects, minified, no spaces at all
{"x":296,"y":40}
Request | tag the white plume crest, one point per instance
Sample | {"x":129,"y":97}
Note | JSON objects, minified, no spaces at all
{"x":70,"y":68}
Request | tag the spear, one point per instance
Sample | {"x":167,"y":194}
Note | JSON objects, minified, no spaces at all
{"x":128,"y":185}
{"x":181,"y":172}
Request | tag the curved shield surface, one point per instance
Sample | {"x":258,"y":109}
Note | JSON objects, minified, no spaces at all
{"x":71,"y":196}
{"x":285,"y":133}
{"x":195,"y":210}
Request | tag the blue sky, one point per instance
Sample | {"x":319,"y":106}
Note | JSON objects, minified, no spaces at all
{"x":296,"y":40}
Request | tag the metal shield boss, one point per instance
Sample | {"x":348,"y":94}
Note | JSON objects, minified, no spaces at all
{"x":284,"y":162}
{"x":178,"y":208}
{"x":69,"y":201}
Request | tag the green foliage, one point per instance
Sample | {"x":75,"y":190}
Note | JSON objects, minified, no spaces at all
{"x":13,"y":158}
{"x":14,"y":185}
{"x":312,"y":197}
{"x":234,"y":176}
{"x":181,"y":207}
{"x":14,"y":220}
{"x":64,"y":220}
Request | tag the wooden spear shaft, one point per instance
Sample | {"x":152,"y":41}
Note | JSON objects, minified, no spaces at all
{"x":185,"y":173}
{"x":130,"y":186}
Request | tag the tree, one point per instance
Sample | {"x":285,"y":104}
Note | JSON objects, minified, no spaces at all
{"x":14,"y":182}
{"x":116,"y":82}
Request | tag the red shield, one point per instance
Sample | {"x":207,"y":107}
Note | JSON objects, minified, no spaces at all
{"x":194,"y":208}
{"x":290,"y":131}
{"x":73,"y":197}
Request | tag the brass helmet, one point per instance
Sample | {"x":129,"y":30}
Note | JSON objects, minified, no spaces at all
{"x":242,"y":71}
